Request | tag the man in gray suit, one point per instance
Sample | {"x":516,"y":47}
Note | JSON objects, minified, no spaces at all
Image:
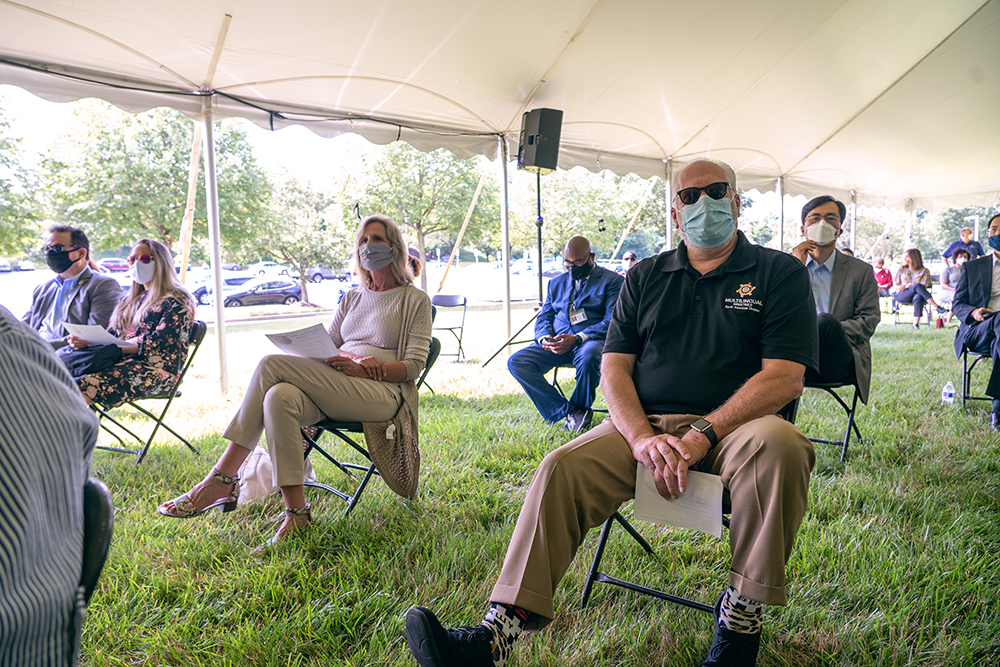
{"x":846,"y":296}
{"x":77,"y":294}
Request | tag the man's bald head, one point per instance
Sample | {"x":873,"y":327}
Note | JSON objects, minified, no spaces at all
{"x":577,"y":248}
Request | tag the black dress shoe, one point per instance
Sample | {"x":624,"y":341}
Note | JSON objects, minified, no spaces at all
{"x":995,"y":421}
{"x":434,"y":646}
{"x":731,"y":649}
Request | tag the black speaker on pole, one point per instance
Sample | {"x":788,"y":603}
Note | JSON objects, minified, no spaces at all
{"x":538,"y":151}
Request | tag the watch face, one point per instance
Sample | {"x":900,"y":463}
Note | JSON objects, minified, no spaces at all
{"x":701,"y":424}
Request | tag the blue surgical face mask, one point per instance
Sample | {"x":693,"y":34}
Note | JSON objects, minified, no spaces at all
{"x":994,"y":241}
{"x":708,"y":223}
{"x":374,"y":256}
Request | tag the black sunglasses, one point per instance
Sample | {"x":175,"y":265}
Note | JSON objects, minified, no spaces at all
{"x":59,"y":247}
{"x":689,"y":196}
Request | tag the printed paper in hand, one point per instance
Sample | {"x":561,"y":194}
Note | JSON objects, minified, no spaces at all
{"x":92,"y":333}
{"x":698,"y":508}
{"x":312,"y":343}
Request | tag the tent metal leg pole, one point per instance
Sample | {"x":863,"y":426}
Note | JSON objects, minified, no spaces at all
{"x":215,"y":238}
{"x":505,"y":237}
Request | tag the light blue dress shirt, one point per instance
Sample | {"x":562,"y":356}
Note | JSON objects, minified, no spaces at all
{"x":53,"y":329}
{"x":820,"y":277}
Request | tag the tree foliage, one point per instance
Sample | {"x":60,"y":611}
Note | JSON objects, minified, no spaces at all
{"x":19,"y":228}
{"x":121,"y":176}
{"x":305,"y":230}
{"x":428,"y":194}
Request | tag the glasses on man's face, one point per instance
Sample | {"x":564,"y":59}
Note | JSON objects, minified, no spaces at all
{"x":831,"y":218}
{"x":142,"y":259}
{"x":59,"y":247}
{"x":689,"y":196}
{"x":578,"y":263}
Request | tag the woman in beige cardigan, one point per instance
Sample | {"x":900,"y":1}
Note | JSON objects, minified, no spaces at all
{"x":383,"y":331}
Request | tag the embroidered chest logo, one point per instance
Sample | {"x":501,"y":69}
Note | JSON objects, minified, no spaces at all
{"x":743,"y":300}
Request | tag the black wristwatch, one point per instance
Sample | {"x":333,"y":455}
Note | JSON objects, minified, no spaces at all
{"x":704,"y":427}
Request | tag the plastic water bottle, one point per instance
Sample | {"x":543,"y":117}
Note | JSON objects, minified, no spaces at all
{"x":948,"y":393}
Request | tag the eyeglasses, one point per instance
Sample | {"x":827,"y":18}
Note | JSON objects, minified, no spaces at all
{"x":813,"y":218}
{"x":578,"y":263}
{"x":144,"y":259}
{"x":689,"y":196}
{"x":59,"y":247}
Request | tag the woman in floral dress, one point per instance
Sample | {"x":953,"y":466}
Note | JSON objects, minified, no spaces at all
{"x":154,"y":319}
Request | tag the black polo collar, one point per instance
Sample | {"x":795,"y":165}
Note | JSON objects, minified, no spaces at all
{"x":742,"y":258}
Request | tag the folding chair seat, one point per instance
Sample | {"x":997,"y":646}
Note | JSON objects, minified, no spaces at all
{"x":340,"y":430}
{"x":452,"y":301}
{"x":595,"y":576}
{"x":850,"y":412}
{"x":555,"y":383}
{"x":896,"y":305}
{"x":198,"y":329}
{"x":967,"y":369}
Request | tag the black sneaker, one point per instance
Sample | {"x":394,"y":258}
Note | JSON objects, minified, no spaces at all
{"x":942,"y":310}
{"x":731,"y":649}
{"x":434,"y":646}
{"x":579,"y":421}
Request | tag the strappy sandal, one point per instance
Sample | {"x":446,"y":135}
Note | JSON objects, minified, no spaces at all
{"x":289,"y":511}
{"x":185,"y":509}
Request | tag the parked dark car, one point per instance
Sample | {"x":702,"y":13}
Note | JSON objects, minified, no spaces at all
{"x":202,"y":293}
{"x":318,"y":274}
{"x":113,"y":264}
{"x":265,"y":290}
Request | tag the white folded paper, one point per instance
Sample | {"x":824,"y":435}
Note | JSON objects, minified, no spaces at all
{"x":312,"y":343}
{"x":92,"y":333}
{"x":698,"y":508}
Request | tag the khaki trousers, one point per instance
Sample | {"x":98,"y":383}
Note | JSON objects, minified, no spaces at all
{"x":765,"y":464}
{"x":287,"y":392}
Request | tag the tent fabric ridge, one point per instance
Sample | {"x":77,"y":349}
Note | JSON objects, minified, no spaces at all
{"x":627,"y":127}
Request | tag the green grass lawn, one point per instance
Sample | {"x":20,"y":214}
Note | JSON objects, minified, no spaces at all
{"x":895,"y":564}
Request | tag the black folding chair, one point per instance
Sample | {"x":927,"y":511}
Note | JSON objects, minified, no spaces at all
{"x":340,"y":430}
{"x":198,"y":329}
{"x":849,"y":410}
{"x":967,"y":369}
{"x":595,"y":576}
{"x":452,"y":301}
{"x":555,"y":383}
{"x":98,"y":524}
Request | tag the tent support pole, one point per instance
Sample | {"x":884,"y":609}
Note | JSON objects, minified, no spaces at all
{"x":908,"y":241}
{"x":214,"y":238}
{"x":505,"y":236}
{"x":668,"y":231}
{"x":781,"y":213}
{"x":854,"y":221}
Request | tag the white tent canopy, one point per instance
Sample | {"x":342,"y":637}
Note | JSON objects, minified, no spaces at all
{"x":894,"y":100}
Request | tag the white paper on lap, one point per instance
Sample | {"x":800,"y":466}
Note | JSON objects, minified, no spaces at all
{"x":698,"y":508}
{"x":312,"y":343}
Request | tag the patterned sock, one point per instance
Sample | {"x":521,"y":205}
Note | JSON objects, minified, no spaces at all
{"x":507,"y":622}
{"x":740,"y":614}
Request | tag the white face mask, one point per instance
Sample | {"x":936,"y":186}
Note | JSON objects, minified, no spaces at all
{"x":960,"y":261}
{"x":142,"y":273}
{"x":822,"y":233}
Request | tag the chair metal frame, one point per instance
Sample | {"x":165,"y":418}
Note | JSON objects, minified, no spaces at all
{"x":452,"y":301}
{"x":595,"y":576}
{"x":198,"y":331}
{"x":849,"y":410}
{"x":555,"y":383}
{"x":340,"y":430}
{"x":967,"y":374}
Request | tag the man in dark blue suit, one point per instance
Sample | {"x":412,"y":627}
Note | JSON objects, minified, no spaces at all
{"x":976,"y":301}
{"x":570,"y":328}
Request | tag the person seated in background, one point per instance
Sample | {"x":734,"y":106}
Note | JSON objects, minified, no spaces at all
{"x":154,"y":321}
{"x":570,"y":328}
{"x":691,"y":383}
{"x":78,"y":294}
{"x":413,"y":261}
{"x":629,"y":260}
{"x":847,"y":251}
{"x":383,"y":331}
{"x":949,"y":278}
{"x":883,"y":277}
{"x":976,"y":302}
{"x":846,"y":297}
{"x":913,"y":283}
{"x":47,"y":437}
{"x":964,"y":242}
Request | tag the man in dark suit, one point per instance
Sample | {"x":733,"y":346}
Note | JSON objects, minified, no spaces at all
{"x":77,"y":294}
{"x":570,"y":328}
{"x":846,"y":296}
{"x":977,"y":298}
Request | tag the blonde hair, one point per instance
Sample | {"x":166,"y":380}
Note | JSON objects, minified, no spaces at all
{"x":130,"y":312}
{"x":401,"y":271}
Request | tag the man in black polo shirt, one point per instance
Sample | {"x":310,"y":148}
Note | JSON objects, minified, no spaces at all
{"x":706,"y":344}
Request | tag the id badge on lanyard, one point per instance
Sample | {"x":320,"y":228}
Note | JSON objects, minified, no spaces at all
{"x":576,"y":315}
